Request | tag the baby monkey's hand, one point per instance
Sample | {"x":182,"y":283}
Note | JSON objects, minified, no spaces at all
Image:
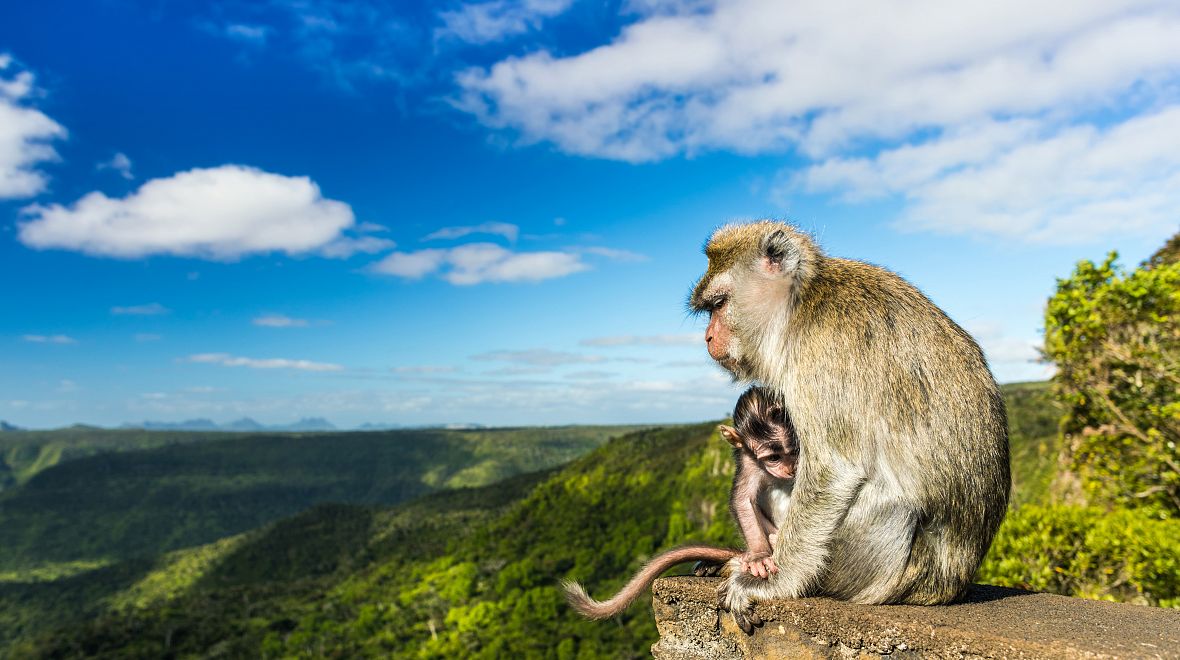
{"x":759,"y":564}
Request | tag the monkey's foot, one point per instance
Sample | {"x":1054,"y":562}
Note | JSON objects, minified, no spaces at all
{"x":709,"y":569}
{"x":731,"y":596}
{"x":758,"y":564}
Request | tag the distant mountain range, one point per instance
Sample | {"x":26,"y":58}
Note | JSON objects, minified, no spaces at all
{"x":5,"y":426}
{"x":307,"y":424}
{"x":244,"y":424}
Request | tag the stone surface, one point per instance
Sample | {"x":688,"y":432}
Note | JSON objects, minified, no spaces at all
{"x":992,"y":622}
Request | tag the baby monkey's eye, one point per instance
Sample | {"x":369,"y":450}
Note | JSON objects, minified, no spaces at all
{"x":773,"y":458}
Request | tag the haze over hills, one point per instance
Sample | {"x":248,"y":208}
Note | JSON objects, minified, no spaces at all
{"x":250,"y":425}
{"x":244,"y":424}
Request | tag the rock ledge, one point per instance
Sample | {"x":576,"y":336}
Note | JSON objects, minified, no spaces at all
{"x":992,"y":622}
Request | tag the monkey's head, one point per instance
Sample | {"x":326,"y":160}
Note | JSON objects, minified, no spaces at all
{"x":756,"y":273}
{"x":762,"y":427}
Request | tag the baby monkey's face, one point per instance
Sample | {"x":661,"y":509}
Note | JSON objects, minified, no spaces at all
{"x":778,"y":456}
{"x":773,"y":448}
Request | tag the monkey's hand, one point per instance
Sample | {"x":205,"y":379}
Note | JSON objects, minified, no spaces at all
{"x":758,"y":564}
{"x":735,"y":596}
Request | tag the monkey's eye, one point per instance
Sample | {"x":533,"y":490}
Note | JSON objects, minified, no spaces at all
{"x":717,"y":303}
{"x":773,"y":458}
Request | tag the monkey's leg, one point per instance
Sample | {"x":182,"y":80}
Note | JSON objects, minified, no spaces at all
{"x":818,"y":506}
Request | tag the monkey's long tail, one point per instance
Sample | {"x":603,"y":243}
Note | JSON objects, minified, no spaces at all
{"x":594,"y":609}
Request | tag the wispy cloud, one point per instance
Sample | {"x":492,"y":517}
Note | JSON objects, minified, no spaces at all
{"x":484,"y":22}
{"x":347,"y":246}
{"x":615,"y":254}
{"x":119,"y":163}
{"x":150,"y":309}
{"x":508,"y":231}
{"x":477,"y":263}
{"x":539,"y":357}
{"x":346,"y":42}
{"x":221,"y":213}
{"x":1011,"y":358}
{"x":49,"y":339}
{"x":280,"y":321}
{"x":26,"y":134}
{"x":687,"y":339}
{"x":424,"y":369}
{"x":225,"y":359}
{"x":1026,"y":180}
{"x":253,"y":34}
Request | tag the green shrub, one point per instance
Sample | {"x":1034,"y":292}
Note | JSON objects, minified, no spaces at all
{"x":1116,"y":342}
{"x":1119,"y":555}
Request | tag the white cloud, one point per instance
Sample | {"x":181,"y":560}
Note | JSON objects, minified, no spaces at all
{"x":484,"y":22}
{"x":119,"y":163}
{"x":476,"y":263}
{"x":49,"y":339}
{"x":538,"y":357}
{"x":759,"y":75}
{"x":1012,"y":359}
{"x":280,"y":321}
{"x":220,"y":213}
{"x":1023,"y":180}
{"x":26,"y":135}
{"x":150,"y":309}
{"x":228,"y":360}
{"x":411,"y":265}
{"x":253,"y":34}
{"x":508,"y":231}
{"x":688,"y":339}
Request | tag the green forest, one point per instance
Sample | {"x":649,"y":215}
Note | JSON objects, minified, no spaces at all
{"x":443,"y":544}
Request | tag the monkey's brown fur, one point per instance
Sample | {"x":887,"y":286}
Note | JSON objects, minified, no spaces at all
{"x":595,"y":609}
{"x":903,"y":472}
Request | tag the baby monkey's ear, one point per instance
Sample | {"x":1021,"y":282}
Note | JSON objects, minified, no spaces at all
{"x":730,"y":435}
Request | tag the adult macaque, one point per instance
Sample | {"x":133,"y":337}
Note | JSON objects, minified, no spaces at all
{"x":764,"y":453}
{"x":902,"y":477}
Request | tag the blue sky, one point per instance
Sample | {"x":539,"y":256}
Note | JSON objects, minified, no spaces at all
{"x":492,"y":212}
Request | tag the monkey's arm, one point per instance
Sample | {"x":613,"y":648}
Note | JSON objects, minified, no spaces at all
{"x":818,"y":505}
{"x":744,"y":503}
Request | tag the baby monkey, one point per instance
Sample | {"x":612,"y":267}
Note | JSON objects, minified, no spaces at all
{"x":765,"y":453}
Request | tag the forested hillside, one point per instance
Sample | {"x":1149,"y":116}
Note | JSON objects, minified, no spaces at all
{"x":467,"y":573}
{"x":191,"y":489}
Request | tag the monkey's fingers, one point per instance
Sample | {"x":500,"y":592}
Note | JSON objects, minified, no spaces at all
{"x":770,"y":566}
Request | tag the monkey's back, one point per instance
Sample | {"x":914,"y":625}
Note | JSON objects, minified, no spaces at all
{"x":906,"y":392}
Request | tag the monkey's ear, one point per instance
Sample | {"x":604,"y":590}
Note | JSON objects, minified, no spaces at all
{"x":780,"y":253}
{"x":730,"y":435}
